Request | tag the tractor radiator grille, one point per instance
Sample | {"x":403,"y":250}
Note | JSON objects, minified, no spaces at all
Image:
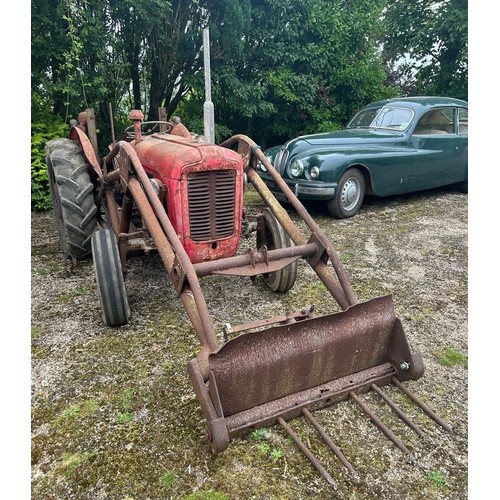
{"x":211,"y":204}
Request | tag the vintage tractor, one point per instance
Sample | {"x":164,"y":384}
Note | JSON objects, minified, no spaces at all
{"x":163,"y":189}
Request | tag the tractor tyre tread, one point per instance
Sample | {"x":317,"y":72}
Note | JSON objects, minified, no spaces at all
{"x":109,"y":277}
{"x":283,"y":280}
{"x":72,"y":195}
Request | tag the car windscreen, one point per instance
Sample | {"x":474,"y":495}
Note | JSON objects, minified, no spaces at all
{"x":386,"y":117}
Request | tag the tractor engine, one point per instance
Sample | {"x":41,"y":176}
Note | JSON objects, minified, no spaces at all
{"x":203,"y":191}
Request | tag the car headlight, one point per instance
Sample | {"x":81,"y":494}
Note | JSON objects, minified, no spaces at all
{"x":314,"y":172}
{"x":261,"y":166}
{"x":296,"y":168}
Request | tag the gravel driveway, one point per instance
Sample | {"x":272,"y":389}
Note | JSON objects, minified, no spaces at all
{"x":114,"y":415}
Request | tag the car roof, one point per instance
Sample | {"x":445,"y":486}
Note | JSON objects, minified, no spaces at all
{"x":420,"y":101}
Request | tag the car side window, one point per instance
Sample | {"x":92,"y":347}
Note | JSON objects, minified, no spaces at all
{"x":463,"y":121}
{"x":436,"y":121}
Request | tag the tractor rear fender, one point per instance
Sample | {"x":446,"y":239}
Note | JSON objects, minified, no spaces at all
{"x":80,"y":137}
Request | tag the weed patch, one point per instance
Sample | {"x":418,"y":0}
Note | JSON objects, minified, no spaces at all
{"x":436,"y":478}
{"x":70,"y":461}
{"x":168,"y":479}
{"x":450,"y":357}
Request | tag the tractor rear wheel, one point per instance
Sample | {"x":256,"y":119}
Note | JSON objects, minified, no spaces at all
{"x":109,"y":276}
{"x":273,"y":236}
{"x":72,"y":195}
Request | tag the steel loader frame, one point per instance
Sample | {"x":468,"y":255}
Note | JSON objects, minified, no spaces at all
{"x":271,"y":370}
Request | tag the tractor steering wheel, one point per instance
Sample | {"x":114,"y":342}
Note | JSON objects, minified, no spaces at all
{"x":147,"y":128}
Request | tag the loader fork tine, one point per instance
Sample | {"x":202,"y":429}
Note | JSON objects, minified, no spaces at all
{"x":328,"y":440}
{"x":397,"y":410}
{"x":423,"y":406}
{"x":308,"y":453}
{"x":376,"y":420}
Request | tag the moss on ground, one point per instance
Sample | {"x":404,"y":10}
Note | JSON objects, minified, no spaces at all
{"x":114,"y":415}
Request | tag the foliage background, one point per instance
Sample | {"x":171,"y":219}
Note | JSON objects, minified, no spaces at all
{"x":280,"y":68}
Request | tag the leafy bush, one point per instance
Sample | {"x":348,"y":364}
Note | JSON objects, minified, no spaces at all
{"x":41,"y":133}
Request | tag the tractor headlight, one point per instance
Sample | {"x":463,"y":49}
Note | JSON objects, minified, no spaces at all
{"x":314,"y":172}
{"x":296,"y":168}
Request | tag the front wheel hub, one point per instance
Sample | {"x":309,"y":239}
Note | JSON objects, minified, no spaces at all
{"x":350,"y":194}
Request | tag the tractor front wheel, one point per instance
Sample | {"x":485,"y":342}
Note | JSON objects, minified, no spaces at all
{"x":72,"y":195}
{"x":109,"y":276}
{"x":272,"y":235}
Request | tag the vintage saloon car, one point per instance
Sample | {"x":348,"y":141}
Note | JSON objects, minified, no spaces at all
{"x":390,"y":147}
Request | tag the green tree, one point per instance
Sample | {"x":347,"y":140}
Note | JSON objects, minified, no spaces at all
{"x":291,"y":67}
{"x":427,"y":46}
{"x":77,"y":58}
{"x":280,"y":67}
{"x":49,"y":44}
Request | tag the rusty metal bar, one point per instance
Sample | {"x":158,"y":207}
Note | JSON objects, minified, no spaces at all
{"x":283,"y":216}
{"x":307,"y":452}
{"x":126,"y":149}
{"x":321,"y":269}
{"x":168,"y":257}
{"x":80,"y":136}
{"x":162,"y":116}
{"x":92,"y":130}
{"x":113,"y":211}
{"x":380,"y":424}
{"x":126,"y":213}
{"x":423,"y":406}
{"x":205,"y":334}
{"x":209,"y":267}
{"x":306,"y":312}
{"x":113,"y":176}
{"x":216,"y":431}
{"x":397,"y":410}
{"x":328,"y":440}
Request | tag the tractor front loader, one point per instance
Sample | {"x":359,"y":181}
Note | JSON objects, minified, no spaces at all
{"x":166,"y":190}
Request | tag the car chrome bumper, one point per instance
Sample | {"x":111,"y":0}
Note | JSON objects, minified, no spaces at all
{"x":309,"y":190}
{"x":315,"y":191}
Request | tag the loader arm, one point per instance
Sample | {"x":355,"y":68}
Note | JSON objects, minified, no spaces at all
{"x":267,"y":371}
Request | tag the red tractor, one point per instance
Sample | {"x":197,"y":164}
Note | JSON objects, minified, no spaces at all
{"x":166,"y":190}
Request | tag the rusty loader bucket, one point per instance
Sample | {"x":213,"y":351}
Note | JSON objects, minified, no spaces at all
{"x":270,"y":371}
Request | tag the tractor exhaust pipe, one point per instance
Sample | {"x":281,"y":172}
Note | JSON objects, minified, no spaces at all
{"x":208,"y":106}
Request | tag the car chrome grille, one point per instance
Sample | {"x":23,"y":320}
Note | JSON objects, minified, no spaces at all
{"x":280,"y":160}
{"x":211,"y":198}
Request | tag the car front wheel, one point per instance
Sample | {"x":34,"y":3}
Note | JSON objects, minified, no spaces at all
{"x":350,"y":195}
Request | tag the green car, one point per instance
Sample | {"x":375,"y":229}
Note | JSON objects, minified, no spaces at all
{"x":390,"y":147}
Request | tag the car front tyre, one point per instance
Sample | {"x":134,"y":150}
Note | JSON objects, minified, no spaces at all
{"x":350,"y":195}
